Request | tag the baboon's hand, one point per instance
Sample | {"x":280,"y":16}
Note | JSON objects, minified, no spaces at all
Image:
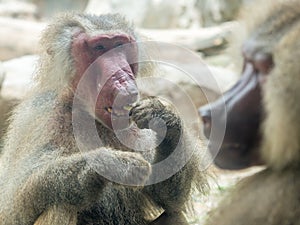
{"x":151,"y":113}
{"x":122,"y":167}
{"x":136,"y":169}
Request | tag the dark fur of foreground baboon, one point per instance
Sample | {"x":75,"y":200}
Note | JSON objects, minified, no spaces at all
{"x":263,"y":125}
{"x":46,"y":179}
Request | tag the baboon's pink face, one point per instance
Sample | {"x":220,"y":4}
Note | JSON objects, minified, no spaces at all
{"x":106,"y":69}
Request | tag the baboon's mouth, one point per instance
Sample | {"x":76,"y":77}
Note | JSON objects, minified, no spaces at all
{"x":230,"y":146}
{"x":119,"y":112}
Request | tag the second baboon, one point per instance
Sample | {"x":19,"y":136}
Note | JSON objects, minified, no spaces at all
{"x":263,"y":124}
{"x":54,"y":170}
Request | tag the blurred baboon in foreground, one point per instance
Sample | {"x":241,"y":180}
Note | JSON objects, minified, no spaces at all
{"x":52,"y":175}
{"x":263,"y":123}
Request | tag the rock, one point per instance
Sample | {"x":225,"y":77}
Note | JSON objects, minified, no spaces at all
{"x":214,"y":12}
{"x":18,"y":37}
{"x":48,"y":8}
{"x":201,"y":39}
{"x":169,"y":14}
{"x":149,"y":13}
{"x":165,"y":14}
{"x":18,"y":9}
{"x":133,"y":10}
{"x":18,"y":78}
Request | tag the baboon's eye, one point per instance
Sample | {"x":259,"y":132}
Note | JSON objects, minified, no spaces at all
{"x":99,"y":48}
{"x":118,"y":44}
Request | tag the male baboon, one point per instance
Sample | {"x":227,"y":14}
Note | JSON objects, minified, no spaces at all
{"x":263,"y":122}
{"x":6,"y":105}
{"x":52,"y":175}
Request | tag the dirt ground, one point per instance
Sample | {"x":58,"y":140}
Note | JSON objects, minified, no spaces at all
{"x":221,"y":182}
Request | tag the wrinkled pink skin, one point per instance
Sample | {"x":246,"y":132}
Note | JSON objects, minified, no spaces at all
{"x":106,"y":68}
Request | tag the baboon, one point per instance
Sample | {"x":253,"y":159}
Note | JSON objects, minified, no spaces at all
{"x":6,"y":105}
{"x":52,"y":175}
{"x":263,"y":122}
